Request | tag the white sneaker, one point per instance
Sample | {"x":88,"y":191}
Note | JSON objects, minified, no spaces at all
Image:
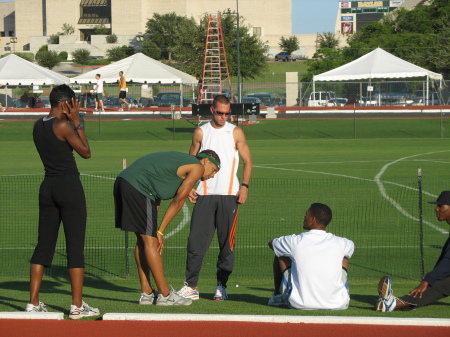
{"x":277,"y":301}
{"x":84,"y":311}
{"x":129,"y":106}
{"x":147,"y":299}
{"x":95,"y":110}
{"x":386,"y":301}
{"x":221,"y":293}
{"x":120,"y":110}
{"x":35,"y":308}
{"x":188,"y":292}
{"x":172,"y":299}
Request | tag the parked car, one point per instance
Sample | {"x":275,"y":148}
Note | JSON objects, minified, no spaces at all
{"x":286,"y":56}
{"x":320,"y":98}
{"x":250,"y":99}
{"x":338,"y":102}
{"x":43,"y":103}
{"x":419,"y":97}
{"x":166,"y":99}
{"x":267,"y":98}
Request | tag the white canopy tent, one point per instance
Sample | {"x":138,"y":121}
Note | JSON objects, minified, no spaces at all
{"x":137,"y":68}
{"x":16,"y":71}
{"x":378,"y":64}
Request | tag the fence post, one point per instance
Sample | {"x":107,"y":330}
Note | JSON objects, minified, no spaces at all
{"x":422,"y":258}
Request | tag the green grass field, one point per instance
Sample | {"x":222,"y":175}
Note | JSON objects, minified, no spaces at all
{"x":370,"y":183}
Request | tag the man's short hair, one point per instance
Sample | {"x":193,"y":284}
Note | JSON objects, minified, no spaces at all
{"x":61,"y":93}
{"x":321,"y":212}
{"x":221,"y":99}
{"x":98,"y":75}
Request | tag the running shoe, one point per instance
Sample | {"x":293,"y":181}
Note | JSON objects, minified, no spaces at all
{"x":277,"y":301}
{"x":36,"y":308}
{"x":386,"y":301}
{"x":221,"y":293}
{"x":188,"y":292}
{"x":120,"y":110}
{"x":84,"y":311}
{"x":146,"y":299}
{"x":172,"y":299}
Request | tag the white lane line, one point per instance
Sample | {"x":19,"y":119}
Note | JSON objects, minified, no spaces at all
{"x":395,"y":203}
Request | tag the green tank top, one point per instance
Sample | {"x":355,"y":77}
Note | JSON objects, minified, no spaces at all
{"x":155,"y":175}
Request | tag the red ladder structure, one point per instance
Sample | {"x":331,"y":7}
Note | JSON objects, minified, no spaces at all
{"x":216,"y":76}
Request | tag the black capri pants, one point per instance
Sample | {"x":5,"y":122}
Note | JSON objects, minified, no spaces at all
{"x":61,"y":199}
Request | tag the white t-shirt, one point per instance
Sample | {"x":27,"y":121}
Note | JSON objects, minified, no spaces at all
{"x":99,"y":86}
{"x":225,"y":182}
{"x":316,"y":268}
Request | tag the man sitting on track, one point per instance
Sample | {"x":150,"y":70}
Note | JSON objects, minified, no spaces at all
{"x":435,"y":285}
{"x":310,"y":269}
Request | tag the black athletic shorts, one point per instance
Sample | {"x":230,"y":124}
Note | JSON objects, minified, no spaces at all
{"x":134,"y":211}
{"x":122,"y":94}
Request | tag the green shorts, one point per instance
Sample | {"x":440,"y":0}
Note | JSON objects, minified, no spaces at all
{"x":99,"y":96}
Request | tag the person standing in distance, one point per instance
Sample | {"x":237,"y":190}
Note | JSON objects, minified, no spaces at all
{"x":98,"y":91}
{"x":216,"y":200}
{"x":123,"y":91}
{"x":138,"y":191}
{"x":61,"y":197}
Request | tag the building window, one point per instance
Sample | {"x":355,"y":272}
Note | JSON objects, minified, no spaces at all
{"x":256,"y":31}
{"x":2,"y":34}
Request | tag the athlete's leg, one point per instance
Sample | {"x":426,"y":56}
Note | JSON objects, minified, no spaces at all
{"x":226,"y":222}
{"x":200,"y":237}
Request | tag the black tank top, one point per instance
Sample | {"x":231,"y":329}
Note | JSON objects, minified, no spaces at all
{"x":56,"y":154}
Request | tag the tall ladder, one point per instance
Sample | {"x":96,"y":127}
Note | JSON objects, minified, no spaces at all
{"x":216,"y":77}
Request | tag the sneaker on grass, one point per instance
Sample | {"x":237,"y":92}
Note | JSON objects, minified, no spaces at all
{"x":147,"y":299}
{"x":221,"y":293}
{"x":84,"y":311}
{"x":36,"y":308}
{"x":172,"y":299}
{"x":386,"y":301}
{"x":277,"y":301}
{"x":188,"y":292}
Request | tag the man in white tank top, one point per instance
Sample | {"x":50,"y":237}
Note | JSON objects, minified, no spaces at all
{"x":216,"y":201}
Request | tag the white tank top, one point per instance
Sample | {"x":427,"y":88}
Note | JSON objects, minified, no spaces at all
{"x":225,"y":182}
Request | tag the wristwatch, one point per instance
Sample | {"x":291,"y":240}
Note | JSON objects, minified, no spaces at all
{"x":79,"y":127}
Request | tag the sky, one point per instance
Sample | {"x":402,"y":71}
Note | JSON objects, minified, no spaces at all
{"x":309,"y":16}
{"x":314,"y":16}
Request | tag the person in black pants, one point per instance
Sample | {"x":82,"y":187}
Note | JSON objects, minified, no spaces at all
{"x":434,"y":286}
{"x":61,"y":197}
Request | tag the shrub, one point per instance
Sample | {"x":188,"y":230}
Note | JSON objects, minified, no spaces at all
{"x":111,"y":38}
{"x":101,"y":30}
{"x":26,"y":56}
{"x":81,"y":56}
{"x":63,"y":56}
{"x":116,"y":54}
{"x":54,"y":39}
{"x":43,"y":48}
{"x":48,"y":59}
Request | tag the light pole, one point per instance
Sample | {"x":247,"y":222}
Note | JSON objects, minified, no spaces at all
{"x":238,"y":50}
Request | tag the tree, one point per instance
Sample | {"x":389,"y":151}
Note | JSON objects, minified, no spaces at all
{"x":116,"y":53}
{"x":150,"y":49}
{"x":289,"y":45}
{"x":165,"y":30}
{"x":48,"y":59}
{"x":190,"y":47}
{"x":327,"y":40}
{"x":111,"y":38}
{"x":67,"y":29}
{"x":81,"y":56}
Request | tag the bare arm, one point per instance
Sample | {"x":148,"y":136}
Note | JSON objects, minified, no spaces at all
{"x":193,"y":173}
{"x":64,"y":131}
{"x":197,"y":138}
{"x":244,"y":152}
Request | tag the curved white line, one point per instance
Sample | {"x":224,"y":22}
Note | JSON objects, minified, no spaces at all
{"x":396,"y":204}
{"x":182,"y":223}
